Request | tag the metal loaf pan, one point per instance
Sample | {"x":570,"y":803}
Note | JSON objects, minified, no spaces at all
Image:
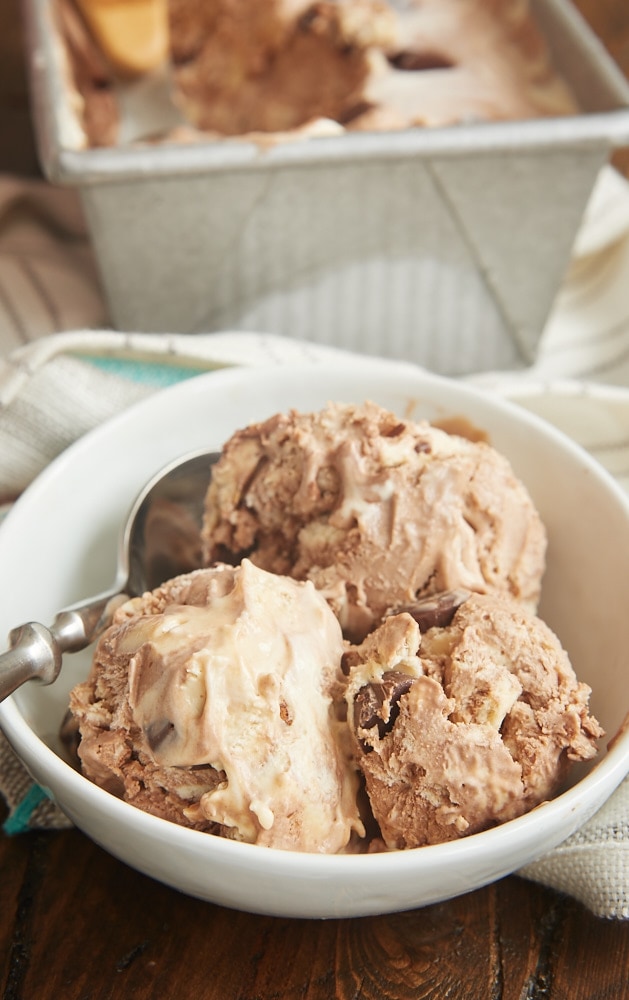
{"x":442,"y":246}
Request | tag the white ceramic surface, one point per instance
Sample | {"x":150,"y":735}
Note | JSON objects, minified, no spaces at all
{"x":59,"y":544}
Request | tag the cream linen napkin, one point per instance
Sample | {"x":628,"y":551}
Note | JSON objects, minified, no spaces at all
{"x":54,"y":386}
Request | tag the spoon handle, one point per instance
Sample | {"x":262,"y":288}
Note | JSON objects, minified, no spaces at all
{"x":36,"y":651}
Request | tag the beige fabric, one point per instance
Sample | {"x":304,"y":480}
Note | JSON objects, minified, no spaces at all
{"x":593,"y":864}
{"x":16,"y":786}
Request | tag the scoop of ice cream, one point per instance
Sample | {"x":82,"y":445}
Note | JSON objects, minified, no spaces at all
{"x":466,"y":725}
{"x":245,"y":67}
{"x":210,"y":702}
{"x":375,"y":510}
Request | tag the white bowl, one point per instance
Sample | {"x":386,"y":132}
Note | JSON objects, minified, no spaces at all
{"x":59,"y":544}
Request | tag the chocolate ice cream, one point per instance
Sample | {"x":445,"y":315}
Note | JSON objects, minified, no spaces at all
{"x":228,"y":700}
{"x":464,"y":725}
{"x":375,"y":510}
{"x":210,"y":703}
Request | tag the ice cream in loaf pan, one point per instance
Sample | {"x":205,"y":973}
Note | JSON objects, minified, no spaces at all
{"x":292,"y":67}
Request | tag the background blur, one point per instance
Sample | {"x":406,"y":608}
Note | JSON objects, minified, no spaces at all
{"x":608,"y":18}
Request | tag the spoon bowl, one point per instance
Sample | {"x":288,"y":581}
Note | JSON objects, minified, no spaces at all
{"x":160,"y":539}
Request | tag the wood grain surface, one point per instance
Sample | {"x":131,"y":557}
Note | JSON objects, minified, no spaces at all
{"x":78,"y":925}
{"x":75,"y":924}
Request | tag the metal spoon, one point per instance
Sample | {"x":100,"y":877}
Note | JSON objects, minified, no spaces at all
{"x":160,"y":539}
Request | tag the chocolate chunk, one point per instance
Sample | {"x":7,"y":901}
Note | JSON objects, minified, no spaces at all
{"x":353,"y":112}
{"x":285,"y":713}
{"x":158,"y":731}
{"x":349,"y":659}
{"x":378,"y":705}
{"x":434,"y":610}
{"x":420,"y":61}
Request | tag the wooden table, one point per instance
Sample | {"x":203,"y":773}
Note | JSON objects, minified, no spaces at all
{"x":75,"y":924}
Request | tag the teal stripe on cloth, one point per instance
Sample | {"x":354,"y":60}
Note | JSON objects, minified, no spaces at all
{"x":19,"y":819}
{"x":145,"y":372}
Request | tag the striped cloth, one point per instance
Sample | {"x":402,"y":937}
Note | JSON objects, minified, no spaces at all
{"x":62,"y":373}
